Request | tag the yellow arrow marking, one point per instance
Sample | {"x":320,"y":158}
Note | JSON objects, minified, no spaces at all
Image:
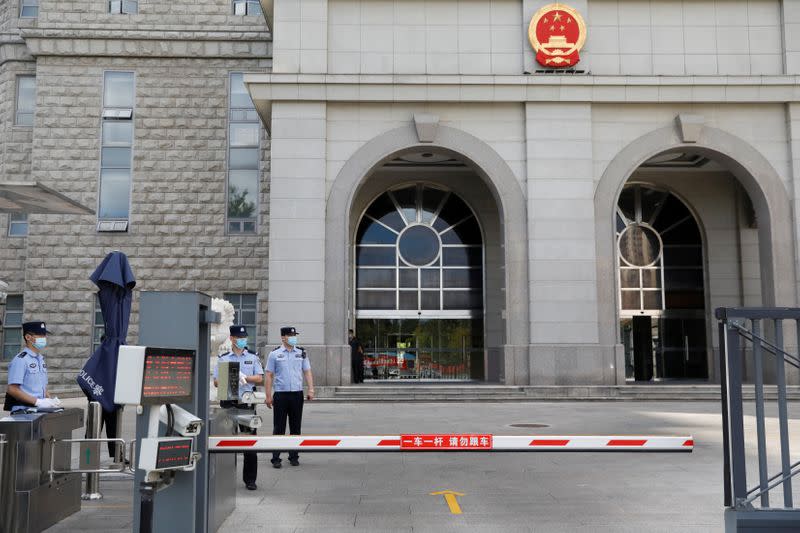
{"x":450,"y":498}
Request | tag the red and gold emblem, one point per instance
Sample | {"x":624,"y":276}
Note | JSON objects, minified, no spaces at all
{"x":557,"y":33}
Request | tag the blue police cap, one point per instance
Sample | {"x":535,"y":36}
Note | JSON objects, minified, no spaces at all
{"x":36,"y":327}
{"x":288,"y":331}
{"x":238,"y":331}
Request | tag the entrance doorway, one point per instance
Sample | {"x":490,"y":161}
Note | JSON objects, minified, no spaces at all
{"x":422,"y":349}
{"x":420,"y":286}
{"x":662,"y":286}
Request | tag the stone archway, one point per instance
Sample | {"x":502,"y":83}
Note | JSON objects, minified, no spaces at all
{"x":756,"y":175}
{"x":508,"y":195}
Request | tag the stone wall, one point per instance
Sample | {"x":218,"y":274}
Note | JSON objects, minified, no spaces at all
{"x":176,"y":239}
{"x":182,"y":54}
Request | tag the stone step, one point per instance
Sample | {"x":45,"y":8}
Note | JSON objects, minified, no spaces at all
{"x":501,"y":393}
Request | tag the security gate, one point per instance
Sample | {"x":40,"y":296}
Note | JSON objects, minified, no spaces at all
{"x":746,"y":335}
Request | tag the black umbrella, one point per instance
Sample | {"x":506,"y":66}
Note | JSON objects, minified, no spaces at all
{"x":115,"y":281}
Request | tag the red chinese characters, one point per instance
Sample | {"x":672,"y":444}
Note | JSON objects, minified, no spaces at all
{"x":557,"y":33}
{"x":447,"y":442}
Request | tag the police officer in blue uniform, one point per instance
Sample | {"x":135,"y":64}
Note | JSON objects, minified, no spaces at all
{"x":251,"y":373}
{"x":27,"y":373}
{"x":286,"y":367}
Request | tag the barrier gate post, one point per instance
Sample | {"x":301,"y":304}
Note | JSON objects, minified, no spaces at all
{"x":178,"y":320}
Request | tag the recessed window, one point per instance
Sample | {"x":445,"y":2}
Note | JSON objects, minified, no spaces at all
{"x":244,"y":155}
{"x":12,"y":326}
{"x":660,"y":253}
{"x":246,"y":7}
{"x":245,"y":307}
{"x":18,"y":225}
{"x":26,"y":100}
{"x":29,"y":8}
{"x":123,"y":7}
{"x":116,"y":153}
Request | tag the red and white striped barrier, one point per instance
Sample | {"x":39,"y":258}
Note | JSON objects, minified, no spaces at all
{"x":451,"y":443}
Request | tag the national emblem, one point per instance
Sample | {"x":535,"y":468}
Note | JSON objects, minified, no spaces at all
{"x":557,"y":33}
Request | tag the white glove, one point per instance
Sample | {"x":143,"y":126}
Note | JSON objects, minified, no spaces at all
{"x":56,"y":401}
{"x":242,"y":378}
{"x":45,"y":402}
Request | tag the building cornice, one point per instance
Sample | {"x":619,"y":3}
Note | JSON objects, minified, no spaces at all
{"x":146,"y":43}
{"x":528,"y":88}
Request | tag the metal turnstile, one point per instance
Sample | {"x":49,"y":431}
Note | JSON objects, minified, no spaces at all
{"x":31,"y":499}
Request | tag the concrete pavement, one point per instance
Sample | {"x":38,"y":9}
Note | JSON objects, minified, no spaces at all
{"x":555,"y":492}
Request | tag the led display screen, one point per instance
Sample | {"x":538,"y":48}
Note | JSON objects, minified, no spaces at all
{"x":173,"y":453}
{"x":168,"y":375}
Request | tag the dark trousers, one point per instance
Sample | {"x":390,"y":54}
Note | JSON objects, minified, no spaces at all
{"x":110,"y":422}
{"x":250,"y":464}
{"x":357,"y":368}
{"x":286,"y":404}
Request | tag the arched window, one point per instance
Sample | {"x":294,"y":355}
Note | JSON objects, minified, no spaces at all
{"x":419,"y":248}
{"x":660,"y":252}
{"x":661,"y":286}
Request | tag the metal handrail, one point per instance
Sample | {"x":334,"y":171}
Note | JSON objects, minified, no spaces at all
{"x":771,"y":348}
{"x":770,"y":487}
{"x":776,"y":476}
{"x":53,"y":472}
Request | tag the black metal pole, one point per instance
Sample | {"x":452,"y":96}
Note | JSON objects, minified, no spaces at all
{"x":147,"y":492}
{"x":723,"y":381}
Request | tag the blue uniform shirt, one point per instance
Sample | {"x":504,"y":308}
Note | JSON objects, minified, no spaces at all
{"x":288,"y":367}
{"x":29,"y":371}
{"x":249,"y":365}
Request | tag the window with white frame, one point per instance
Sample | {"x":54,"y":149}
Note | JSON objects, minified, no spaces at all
{"x":123,"y":7}
{"x":29,"y":9}
{"x":246,"y":7}
{"x":26,"y":100}
{"x":12,"y":326}
{"x":244,"y":154}
{"x":245,"y":306}
{"x":98,"y":326}
{"x":116,"y":151}
{"x":18,"y":225}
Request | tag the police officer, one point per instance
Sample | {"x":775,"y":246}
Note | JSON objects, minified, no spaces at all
{"x":27,"y":372}
{"x":286,"y":367}
{"x":251,"y":374}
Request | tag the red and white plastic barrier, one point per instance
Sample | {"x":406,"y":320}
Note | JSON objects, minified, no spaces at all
{"x":451,"y":443}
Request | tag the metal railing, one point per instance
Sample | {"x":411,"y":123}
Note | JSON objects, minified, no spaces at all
{"x":743,"y":334}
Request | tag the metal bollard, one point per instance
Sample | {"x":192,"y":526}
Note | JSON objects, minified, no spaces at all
{"x":90,"y":452}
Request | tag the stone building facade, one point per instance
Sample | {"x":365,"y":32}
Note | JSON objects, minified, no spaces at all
{"x":182,"y":54}
{"x":593,"y":217}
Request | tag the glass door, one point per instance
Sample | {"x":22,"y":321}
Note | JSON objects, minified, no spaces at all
{"x":421,"y":349}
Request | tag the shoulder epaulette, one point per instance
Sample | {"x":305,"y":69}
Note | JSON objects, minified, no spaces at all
{"x":21,"y":354}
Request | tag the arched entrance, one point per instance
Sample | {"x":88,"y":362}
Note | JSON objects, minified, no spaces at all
{"x":757,"y":213}
{"x":419,"y":285}
{"x":470,"y":169}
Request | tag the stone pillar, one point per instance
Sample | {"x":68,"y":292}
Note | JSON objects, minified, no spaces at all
{"x":297,"y":225}
{"x":563,"y":268}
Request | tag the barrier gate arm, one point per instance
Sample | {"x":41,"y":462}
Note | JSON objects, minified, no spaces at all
{"x":406,"y":443}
